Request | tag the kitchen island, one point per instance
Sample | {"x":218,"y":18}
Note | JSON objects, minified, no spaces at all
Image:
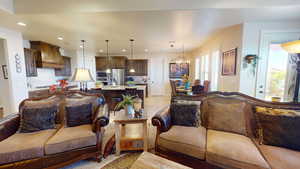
{"x":113,"y":94}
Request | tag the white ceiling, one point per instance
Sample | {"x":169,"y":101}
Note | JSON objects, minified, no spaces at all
{"x":152,"y":23}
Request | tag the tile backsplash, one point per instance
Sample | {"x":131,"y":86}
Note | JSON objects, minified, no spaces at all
{"x":46,"y":77}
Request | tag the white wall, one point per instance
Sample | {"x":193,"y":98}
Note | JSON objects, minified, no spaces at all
{"x":4,"y":83}
{"x":252,"y":33}
{"x":7,"y":5}
{"x":17,"y":81}
{"x":223,"y":40}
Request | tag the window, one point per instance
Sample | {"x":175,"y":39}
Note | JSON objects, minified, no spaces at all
{"x":197,"y":68}
{"x":215,"y":70}
{"x":204,"y":68}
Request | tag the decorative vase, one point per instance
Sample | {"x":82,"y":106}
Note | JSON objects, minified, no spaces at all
{"x":187,"y":85}
{"x":129,"y":110}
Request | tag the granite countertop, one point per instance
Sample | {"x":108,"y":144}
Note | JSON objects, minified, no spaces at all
{"x":47,"y":88}
{"x":122,"y":87}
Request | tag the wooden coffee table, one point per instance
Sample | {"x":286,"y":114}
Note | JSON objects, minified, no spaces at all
{"x":151,"y":161}
{"x":130,"y":143}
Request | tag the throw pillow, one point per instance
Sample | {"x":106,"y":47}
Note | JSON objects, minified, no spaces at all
{"x":227,"y":114}
{"x":36,"y":119}
{"x":79,"y":115}
{"x":184,"y":114}
{"x":279,"y":129}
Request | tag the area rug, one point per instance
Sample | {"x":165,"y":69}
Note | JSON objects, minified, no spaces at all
{"x":124,"y":162}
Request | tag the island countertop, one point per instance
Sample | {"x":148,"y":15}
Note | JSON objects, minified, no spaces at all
{"x":121,"y":87}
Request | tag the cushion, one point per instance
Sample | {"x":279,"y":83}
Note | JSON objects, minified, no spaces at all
{"x":229,"y":150}
{"x":272,"y":111}
{"x":184,"y":115}
{"x":226,"y":114}
{"x":36,"y":119}
{"x":79,"y":115}
{"x":284,"y":134}
{"x":48,"y":102}
{"x":71,"y":138}
{"x":279,"y":158}
{"x":187,"y":140}
{"x":23,"y":146}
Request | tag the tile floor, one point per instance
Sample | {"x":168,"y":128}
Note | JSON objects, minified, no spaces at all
{"x":152,"y":105}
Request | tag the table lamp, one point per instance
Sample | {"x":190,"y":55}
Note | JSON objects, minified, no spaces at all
{"x":294,"y":47}
{"x":82,"y":75}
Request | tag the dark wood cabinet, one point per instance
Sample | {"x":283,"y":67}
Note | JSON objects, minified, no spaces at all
{"x":139,"y":65}
{"x":115,"y":62}
{"x":49,"y":55}
{"x":30,"y":62}
{"x":66,"y":71}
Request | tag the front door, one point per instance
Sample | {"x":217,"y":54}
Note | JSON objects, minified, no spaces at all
{"x":275,"y":76}
{"x":157,"y":87}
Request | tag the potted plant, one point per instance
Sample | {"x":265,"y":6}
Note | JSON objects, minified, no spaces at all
{"x":186,"y":81}
{"x":127,"y":104}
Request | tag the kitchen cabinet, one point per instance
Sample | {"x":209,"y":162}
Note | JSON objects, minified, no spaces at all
{"x":139,"y":65}
{"x":49,"y":57}
{"x":30,"y":62}
{"x":115,"y":62}
{"x":39,"y":93}
{"x":66,"y":70}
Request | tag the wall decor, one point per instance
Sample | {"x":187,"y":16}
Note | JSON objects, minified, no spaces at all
{"x":18,"y":63}
{"x":251,"y":60}
{"x":177,"y":70}
{"x":5,"y":72}
{"x":229,"y":62}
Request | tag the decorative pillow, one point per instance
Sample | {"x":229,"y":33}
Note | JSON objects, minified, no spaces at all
{"x":227,"y":114}
{"x":79,"y":115}
{"x":49,"y":102}
{"x":279,"y":130}
{"x":185,"y":114}
{"x":36,"y":119}
{"x":272,"y":111}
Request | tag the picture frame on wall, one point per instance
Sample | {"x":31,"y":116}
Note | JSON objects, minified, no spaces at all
{"x":177,"y":70}
{"x":4,"y":71}
{"x":229,"y":62}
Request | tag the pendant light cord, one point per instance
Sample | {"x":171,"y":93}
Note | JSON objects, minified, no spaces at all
{"x":83,"y":56}
{"x":107,"y":58}
{"x":131,"y":48}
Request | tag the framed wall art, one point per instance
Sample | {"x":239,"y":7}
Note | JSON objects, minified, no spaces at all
{"x":5,"y":72}
{"x":177,"y":70}
{"x":229,"y":62}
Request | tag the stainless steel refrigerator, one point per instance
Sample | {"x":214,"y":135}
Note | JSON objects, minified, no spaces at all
{"x":118,"y":76}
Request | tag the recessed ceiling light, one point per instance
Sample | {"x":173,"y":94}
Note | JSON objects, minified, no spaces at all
{"x":21,"y":23}
{"x":146,"y":50}
{"x":101,"y":50}
{"x":60,"y":38}
{"x":123,"y":50}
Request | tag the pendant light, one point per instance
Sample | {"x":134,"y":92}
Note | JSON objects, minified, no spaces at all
{"x":82,"y":75}
{"x":107,"y":58}
{"x":182,"y":59}
{"x":131,"y":70}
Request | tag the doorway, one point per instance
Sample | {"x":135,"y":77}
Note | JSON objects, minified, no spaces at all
{"x":275,"y":73}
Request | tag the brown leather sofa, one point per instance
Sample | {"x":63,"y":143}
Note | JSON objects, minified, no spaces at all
{"x":227,"y":137}
{"x":53,"y":148}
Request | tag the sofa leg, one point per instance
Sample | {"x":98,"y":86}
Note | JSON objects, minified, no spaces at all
{"x":98,"y":158}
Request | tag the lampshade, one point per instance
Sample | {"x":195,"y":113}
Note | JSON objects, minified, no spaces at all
{"x":292,"y":47}
{"x":131,"y":70}
{"x":82,"y":75}
{"x":108,"y":71}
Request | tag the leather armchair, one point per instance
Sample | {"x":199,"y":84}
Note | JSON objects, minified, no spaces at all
{"x":162,"y":120}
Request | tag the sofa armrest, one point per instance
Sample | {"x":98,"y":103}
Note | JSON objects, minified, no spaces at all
{"x":9,"y":126}
{"x":102,"y":118}
{"x":162,"y":120}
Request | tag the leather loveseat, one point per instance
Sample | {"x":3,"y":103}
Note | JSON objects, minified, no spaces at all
{"x":227,"y":137}
{"x":53,"y":148}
